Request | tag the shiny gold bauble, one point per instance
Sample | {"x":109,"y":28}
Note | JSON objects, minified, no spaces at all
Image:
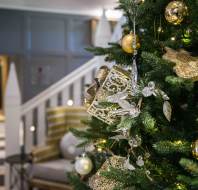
{"x":127,"y":43}
{"x":195,"y":149}
{"x":175,"y":12}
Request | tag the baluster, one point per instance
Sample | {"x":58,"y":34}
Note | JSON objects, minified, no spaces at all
{"x":41,"y":124}
{"x":88,"y":78}
{"x":29,"y":131}
{"x":77,"y":92}
{"x":65,"y":96}
{"x":54,"y":101}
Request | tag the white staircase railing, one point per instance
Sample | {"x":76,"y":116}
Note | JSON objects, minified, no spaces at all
{"x":32,"y":113}
{"x":69,"y":88}
{"x":26,"y":124}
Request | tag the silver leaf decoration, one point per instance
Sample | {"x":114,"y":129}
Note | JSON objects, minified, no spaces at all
{"x":148,"y":175}
{"x":128,"y":166}
{"x":116,"y":98}
{"x":149,"y":90}
{"x":118,"y":137}
{"x":89,"y":148}
{"x":164,"y":95}
{"x":127,"y":109}
{"x":167,"y":109}
{"x":140,"y":161}
{"x":135,"y":142}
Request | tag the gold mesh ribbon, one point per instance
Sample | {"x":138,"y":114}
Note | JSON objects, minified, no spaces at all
{"x":117,"y":80}
{"x":186,"y":65}
{"x":98,"y":182}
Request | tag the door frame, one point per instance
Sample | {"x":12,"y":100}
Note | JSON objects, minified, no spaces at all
{"x":4,"y":77}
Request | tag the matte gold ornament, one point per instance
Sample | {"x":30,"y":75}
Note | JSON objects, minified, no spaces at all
{"x":117,"y":81}
{"x":195,"y":149}
{"x":175,"y":12}
{"x":98,"y":182}
{"x":186,"y":65}
{"x":127,"y":43}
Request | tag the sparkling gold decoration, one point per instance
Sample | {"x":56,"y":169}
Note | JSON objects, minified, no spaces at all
{"x":118,"y":80}
{"x":186,"y":65}
{"x":180,"y":186}
{"x":93,"y":88}
{"x":99,"y":149}
{"x":98,"y":182}
{"x":175,"y":12}
{"x":186,"y":38}
{"x":127,"y":43}
{"x":195,"y":149}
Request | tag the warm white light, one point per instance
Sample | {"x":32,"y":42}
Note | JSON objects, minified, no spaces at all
{"x":159,"y":29}
{"x":32,"y":128}
{"x":70,"y":102}
{"x":173,"y":38}
{"x":113,"y":14}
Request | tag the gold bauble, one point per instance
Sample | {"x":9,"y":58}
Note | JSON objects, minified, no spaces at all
{"x":127,"y":43}
{"x":175,"y":12}
{"x":195,"y":149}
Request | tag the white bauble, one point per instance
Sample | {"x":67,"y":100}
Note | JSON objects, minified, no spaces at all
{"x":83,"y":165}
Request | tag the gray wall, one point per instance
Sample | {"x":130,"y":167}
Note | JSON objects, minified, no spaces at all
{"x":45,"y":46}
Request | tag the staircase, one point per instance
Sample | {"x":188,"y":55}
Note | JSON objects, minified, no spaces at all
{"x":26,"y":124}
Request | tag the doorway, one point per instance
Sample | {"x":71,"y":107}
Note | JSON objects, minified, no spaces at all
{"x":3,"y":80}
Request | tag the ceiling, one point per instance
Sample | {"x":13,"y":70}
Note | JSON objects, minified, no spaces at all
{"x":85,"y":7}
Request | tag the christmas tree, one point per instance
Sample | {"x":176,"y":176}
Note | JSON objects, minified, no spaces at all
{"x":143,"y":134}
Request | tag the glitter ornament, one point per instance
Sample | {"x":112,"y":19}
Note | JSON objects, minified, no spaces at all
{"x":175,"y":12}
{"x":127,"y":43}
